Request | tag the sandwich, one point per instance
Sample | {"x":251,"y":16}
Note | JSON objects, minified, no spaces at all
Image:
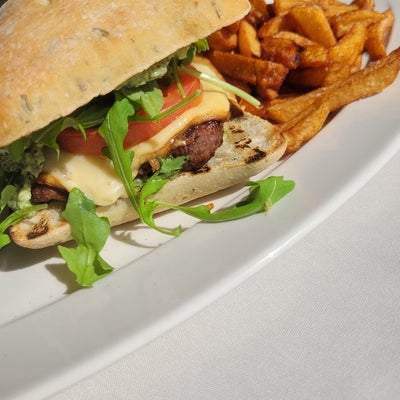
{"x":99,"y":96}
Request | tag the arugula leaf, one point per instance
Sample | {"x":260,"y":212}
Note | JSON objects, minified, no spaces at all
{"x":223,"y":85}
{"x":149,"y":97}
{"x":169,"y":167}
{"x":113,"y":130}
{"x":90,"y":232}
{"x":200,"y":46}
{"x":262,"y":195}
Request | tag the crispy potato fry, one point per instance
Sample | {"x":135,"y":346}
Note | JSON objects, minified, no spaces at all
{"x":356,"y":66}
{"x":282,"y":51}
{"x":233,"y":28}
{"x":248,"y":42}
{"x":269,"y":76}
{"x":314,"y":56}
{"x":305,"y":126}
{"x":258,"y":13}
{"x":296,"y":38}
{"x":332,"y":10}
{"x":250,"y":70}
{"x":284,"y":6}
{"x":364,"y":4}
{"x":350,"y":46}
{"x":366,"y":82}
{"x":223,"y":40}
{"x":371,"y":80}
{"x":312,"y":23}
{"x":259,"y":111}
{"x":235,"y":66}
{"x":342,"y":23}
{"x":281,"y":110}
{"x":378,"y":34}
{"x":276,"y":25}
{"x":318,"y":76}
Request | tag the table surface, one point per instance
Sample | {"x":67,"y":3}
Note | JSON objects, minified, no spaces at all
{"x":321,"y":321}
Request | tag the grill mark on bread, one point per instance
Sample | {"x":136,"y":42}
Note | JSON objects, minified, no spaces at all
{"x":39,"y":229}
{"x":236,"y":130}
{"x":257,"y":156}
{"x":243,"y":143}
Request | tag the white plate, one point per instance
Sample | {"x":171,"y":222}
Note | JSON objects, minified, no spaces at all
{"x":51,"y":337}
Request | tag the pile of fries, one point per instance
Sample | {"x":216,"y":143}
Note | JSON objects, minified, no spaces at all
{"x":304,"y":59}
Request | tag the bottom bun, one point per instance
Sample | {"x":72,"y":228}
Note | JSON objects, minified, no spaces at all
{"x":250,"y":145}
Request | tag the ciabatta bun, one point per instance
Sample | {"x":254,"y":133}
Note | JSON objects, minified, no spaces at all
{"x":58,"y":55}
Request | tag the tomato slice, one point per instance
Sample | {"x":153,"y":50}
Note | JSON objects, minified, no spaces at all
{"x":72,"y":141}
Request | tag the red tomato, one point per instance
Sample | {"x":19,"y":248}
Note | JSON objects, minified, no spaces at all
{"x":72,"y":141}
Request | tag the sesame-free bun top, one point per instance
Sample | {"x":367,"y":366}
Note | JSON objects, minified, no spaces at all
{"x":58,"y":55}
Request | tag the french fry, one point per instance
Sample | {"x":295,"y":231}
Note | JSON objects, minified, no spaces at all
{"x":281,"y":110}
{"x":282,"y":51}
{"x":269,"y":76}
{"x":318,"y":76}
{"x":350,"y":46}
{"x":223,"y":40}
{"x":284,"y":6}
{"x":248,"y":42}
{"x":235,"y":66}
{"x":314,"y":56}
{"x":259,"y":111}
{"x":378,"y":34}
{"x":266,"y":74}
{"x":332,"y":10}
{"x":296,"y":38}
{"x":365,"y":4}
{"x":357,"y":64}
{"x":305,"y":126}
{"x":366,"y":82}
{"x":369,"y":81}
{"x":342,"y":23}
{"x":312,"y":23}
{"x":275,"y":25}
{"x":258,"y":13}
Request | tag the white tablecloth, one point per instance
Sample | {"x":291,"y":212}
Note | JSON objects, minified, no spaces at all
{"x":322,"y":321}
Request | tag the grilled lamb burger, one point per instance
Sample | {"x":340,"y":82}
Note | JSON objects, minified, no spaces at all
{"x":89,"y":87}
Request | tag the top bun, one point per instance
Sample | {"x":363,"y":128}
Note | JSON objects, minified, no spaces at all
{"x":58,"y":55}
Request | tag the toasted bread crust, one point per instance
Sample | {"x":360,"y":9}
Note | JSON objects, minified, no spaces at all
{"x":250,"y":145}
{"x":58,"y":55}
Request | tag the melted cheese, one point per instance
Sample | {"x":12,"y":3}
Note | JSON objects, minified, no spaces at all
{"x":95,"y":176}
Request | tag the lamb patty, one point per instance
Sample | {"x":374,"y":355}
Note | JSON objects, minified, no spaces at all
{"x":42,"y":193}
{"x":199,"y":142}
